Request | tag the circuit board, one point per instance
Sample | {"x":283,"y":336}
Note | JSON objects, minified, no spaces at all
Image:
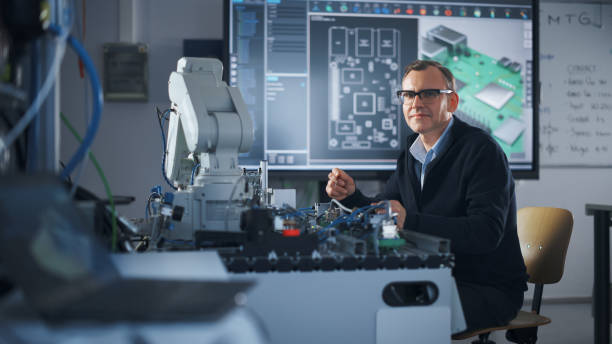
{"x":364,"y":70}
{"x":478,"y":71}
{"x":490,"y":90}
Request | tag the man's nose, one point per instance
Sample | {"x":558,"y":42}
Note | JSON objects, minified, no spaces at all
{"x":414,"y":102}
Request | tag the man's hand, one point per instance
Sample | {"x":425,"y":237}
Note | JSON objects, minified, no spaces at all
{"x":340,"y":185}
{"x":396,"y":207}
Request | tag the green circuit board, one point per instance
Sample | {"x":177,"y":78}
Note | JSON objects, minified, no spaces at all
{"x":473,"y":74}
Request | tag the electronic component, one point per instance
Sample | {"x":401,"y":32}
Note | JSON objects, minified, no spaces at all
{"x":431,"y":50}
{"x":472,"y":121}
{"x":450,"y":38}
{"x":504,"y":62}
{"x":515,"y":67}
{"x":509,"y":130}
{"x":494,"y":95}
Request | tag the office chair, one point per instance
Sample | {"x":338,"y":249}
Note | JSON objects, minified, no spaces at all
{"x":544,"y":235}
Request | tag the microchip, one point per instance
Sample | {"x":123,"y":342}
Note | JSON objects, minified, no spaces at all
{"x":509,"y":130}
{"x":504,"y":61}
{"x":494,"y":95}
{"x":515,"y":67}
{"x":459,"y":84}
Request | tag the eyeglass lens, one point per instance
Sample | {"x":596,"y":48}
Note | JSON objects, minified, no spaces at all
{"x":427,"y":96}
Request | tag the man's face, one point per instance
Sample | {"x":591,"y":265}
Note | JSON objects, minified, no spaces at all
{"x":428,"y":119}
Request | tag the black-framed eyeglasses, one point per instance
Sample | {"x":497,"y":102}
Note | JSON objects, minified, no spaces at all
{"x":427,"y":96}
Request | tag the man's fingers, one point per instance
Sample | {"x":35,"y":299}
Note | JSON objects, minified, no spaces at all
{"x":339,"y":185}
{"x":337,"y":179}
{"x":339,"y":174}
{"x":335,"y":190}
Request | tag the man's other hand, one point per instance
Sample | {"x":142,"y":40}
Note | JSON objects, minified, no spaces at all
{"x":397,"y":208}
{"x":340,"y":185}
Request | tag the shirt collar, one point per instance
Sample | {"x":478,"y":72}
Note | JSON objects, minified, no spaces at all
{"x":417,"y":149}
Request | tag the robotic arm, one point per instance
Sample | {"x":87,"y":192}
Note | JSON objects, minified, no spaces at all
{"x":209,"y":120}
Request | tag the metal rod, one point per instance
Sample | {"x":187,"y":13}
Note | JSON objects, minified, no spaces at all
{"x":537,"y":298}
{"x":263,"y":166}
{"x":601,"y":300}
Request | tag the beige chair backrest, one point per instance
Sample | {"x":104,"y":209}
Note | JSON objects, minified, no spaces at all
{"x":544,"y":234}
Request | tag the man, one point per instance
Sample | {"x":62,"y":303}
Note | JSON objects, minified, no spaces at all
{"x":454,"y":182}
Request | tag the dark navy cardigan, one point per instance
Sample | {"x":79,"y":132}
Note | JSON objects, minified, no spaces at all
{"x":468,"y":197}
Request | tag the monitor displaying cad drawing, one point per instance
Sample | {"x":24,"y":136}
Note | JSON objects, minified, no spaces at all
{"x":319,"y":77}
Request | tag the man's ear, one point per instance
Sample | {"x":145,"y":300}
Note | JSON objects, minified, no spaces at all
{"x":453,"y":102}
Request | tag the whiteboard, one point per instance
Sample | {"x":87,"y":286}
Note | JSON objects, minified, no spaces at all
{"x":576,"y":77}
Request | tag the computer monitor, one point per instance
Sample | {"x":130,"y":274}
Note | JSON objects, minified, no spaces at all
{"x":320,"y":77}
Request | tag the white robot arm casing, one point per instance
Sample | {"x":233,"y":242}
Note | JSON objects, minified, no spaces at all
{"x":209,"y":119}
{"x":209,"y":124}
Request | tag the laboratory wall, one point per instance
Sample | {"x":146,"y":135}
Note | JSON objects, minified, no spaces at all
{"x":129,"y":147}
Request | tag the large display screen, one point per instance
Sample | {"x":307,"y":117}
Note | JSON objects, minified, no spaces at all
{"x":320,"y":77}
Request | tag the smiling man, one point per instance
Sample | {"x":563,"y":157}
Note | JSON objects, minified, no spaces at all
{"x":454,"y":182}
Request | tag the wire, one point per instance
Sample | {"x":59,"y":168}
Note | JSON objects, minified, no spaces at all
{"x":107,"y":188}
{"x":79,"y":174}
{"x":34,"y":108}
{"x":193,"y":170}
{"x":336,"y":202}
{"x":94,"y":123}
{"x":97,"y":102}
{"x":81,"y":37}
{"x":349,"y":218}
{"x":165,"y":152}
{"x":81,"y":31}
{"x":148,"y":205}
{"x":83,"y":164}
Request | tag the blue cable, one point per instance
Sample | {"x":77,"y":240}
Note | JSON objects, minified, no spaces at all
{"x":96,"y":91}
{"x":163,"y":166}
{"x":193,"y":172}
{"x":149,"y":203}
{"x":349,"y":218}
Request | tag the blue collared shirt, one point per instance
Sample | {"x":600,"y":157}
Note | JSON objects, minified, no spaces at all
{"x":417,"y":149}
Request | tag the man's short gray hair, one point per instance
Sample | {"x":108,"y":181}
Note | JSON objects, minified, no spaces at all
{"x":423,"y":64}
